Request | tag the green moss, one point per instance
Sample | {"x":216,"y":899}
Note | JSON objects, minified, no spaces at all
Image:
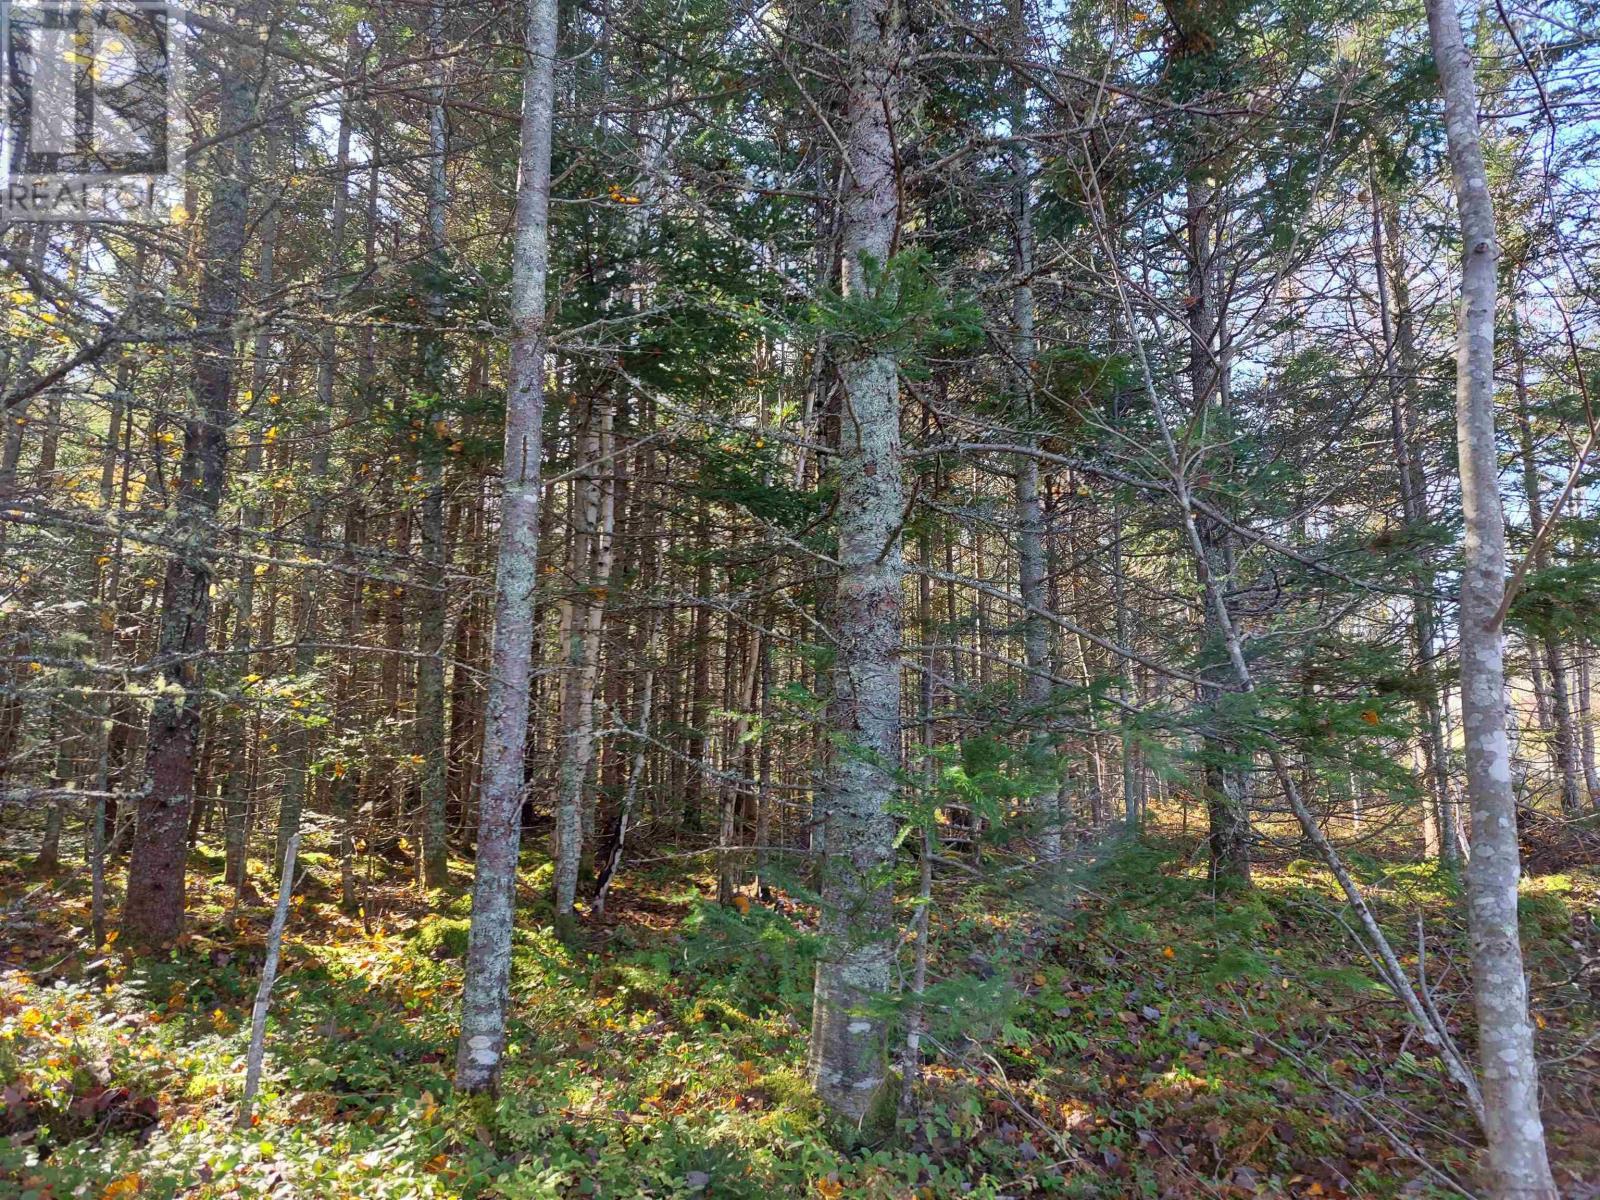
{"x":443,"y":937}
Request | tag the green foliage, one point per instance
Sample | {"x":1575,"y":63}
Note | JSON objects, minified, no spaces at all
{"x":669,"y":1062}
{"x":1561,"y":601}
{"x":758,"y":958}
{"x":745,"y":471}
{"x":902,"y":310}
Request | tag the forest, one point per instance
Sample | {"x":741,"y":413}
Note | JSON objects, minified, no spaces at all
{"x":800,"y":598}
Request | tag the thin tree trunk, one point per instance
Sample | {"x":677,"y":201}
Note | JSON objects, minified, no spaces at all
{"x":1591,"y":776}
{"x":269,"y":976}
{"x":1517,"y":1158}
{"x":848,"y":1046}
{"x":297,"y":750}
{"x":431,"y":745}
{"x":594,"y":516}
{"x":1031,"y":560}
{"x":611,"y":861}
{"x":1400,"y":372}
{"x":486,"y":989}
{"x":1559,"y":701}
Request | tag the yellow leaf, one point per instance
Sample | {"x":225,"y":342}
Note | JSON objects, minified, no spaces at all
{"x":128,"y":1185}
{"x":1168,"y":952}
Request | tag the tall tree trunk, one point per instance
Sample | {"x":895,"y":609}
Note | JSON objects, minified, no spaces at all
{"x":848,"y":1046}
{"x":486,"y":989}
{"x":1400,"y":372}
{"x":297,"y":748}
{"x":1591,"y":776}
{"x":153,"y":908}
{"x":1226,"y":780}
{"x":1031,"y":560}
{"x":700,"y":697}
{"x":593,"y":516}
{"x":1546,"y":644}
{"x":1517,"y":1159}
{"x":430,"y":729}
{"x":1227,"y":811}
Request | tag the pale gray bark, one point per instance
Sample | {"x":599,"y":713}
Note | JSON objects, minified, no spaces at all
{"x":1555,"y":696}
{"x":1517,"y":1159}
{"x":15,"y":364}
{"x":485,"y":993}
{"x":1031,"y":559}
{"x":269,"y":976}
{"x":594,"y":520}
{"x":848,"y":1036}
{"x":916,"y":1016}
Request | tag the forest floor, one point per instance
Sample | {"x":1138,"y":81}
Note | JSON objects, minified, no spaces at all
{"x":1148,"y":1039}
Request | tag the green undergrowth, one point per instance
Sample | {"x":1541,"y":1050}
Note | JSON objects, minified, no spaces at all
{"x":1142,"y":1037}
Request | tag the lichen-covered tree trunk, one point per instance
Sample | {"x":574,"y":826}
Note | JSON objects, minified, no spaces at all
{"x":153,"y":909}
{"x":1031,"y":559}
{"x":1518,"y":1163}
{"x":848,"y":1031}
{"x":594,"y":517}
{"x":486,"y":989}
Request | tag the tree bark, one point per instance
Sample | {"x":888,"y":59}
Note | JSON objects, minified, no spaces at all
{"x":153,"y":908}
{"x":1400,"y":372}
{"x":1517,"y":1159}
{"x":1557,"y":692}
{"x":307,"y":616}
{"x":593,"y":516}
{"x":486,"y":989}
{"x":431,"y":744}
{"x":1031,"y":559}
{"x":848,"y":1035}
